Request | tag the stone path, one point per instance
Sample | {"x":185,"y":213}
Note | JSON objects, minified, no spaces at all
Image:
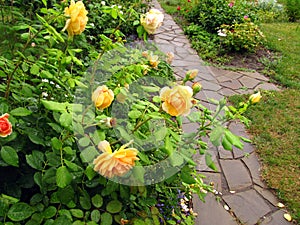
{"x":246,"y":197}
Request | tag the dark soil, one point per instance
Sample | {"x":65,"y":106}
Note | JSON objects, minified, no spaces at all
{"x":253,"y":61}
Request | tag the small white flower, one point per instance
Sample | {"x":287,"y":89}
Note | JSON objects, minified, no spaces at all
{"x":226,"y":207}
{"x":280,"y":205}
{"x":103,"y":3}
{"x":222,"y":33}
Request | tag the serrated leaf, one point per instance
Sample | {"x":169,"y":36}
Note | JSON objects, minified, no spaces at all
{"x":35,"y":160}
{"x":34,"y":69}
{"x":90,"y":172}
{"x":134,"y":114}
{"x":20,"y":112}
{"x":65,"y":119}
{"x":114,"y":206}
{"x":36,"y":139}
{"x":97,"y":201}
{"x":55,"y":106}
{"x":10,"y":156}
{"x":20,"y":211}
{"x":63,"y":177}
{"x":89,"y":154}
{"x":215,"y":136}
{"x":84,"y":141}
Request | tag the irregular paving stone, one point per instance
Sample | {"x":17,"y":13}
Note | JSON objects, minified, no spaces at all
{"x":201,"y":163}
{"x":224,"y":154}
{"x":208,"y":85}
{"x":236,"y":174}
{"x":248,"y":206}
{"x":215,"y":178}
{"x":211,"y":212}
{"x":275,"y":218}
{"x":267,"y":86}
{"x":233,"y":75}
{"x":268,"y":195}
{"x":218,"y":72}
{"x":227,"y":92}
{"x":249,"y":82}
{"x":232,"y":84}
{"x":222,"y":79}
{"x":255,"y":75}
{"x":207,"y":94}
{"x":247,"y":149}
{"x":254,"y":167}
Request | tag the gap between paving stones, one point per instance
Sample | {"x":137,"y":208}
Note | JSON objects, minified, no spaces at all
{"x":238,"y":176}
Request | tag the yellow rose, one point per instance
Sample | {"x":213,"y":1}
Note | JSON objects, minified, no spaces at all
{"x":102,"y":97}
{"x":153,"y":60}
{"x":76,"y":23}
{"x":110,"y":164}
{"x":177,"y":101}
{"x":152,"y":20}
{"x":254,"y":98}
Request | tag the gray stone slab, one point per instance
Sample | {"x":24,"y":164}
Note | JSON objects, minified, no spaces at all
{"x":190,"y":127}
{"x":209,"y":94}
{"x":209,"y":85}
{"x":240,"y":153}
{"x":232,"y":84}
{"x":275,"y":218}
{"x":248,"y":206}
{"x":255,"y":75}
{"x":249,"y":82}
{"x":233,"y":75}
{"x":224,"y":154}
{"x":213,"y":179}
{"x":211,"y":212}
{"x":228,"y":92}
{"x":222,"y":79}
{"x":254,"y":167}
{"x":217,"y":72}
{"x":266,"y":194}
{"x":236,"y":174}
{"x":267,"y":86}
{"x":201,"y":164}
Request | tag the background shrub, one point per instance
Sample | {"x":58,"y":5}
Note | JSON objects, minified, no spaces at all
{"x":293,"y":10}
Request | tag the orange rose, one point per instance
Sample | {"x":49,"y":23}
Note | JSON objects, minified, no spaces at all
{"x":102,"y":97}
{"x":177,"y":101}
{"x":5,"y":126}
{"x":110,"y":164}
{"x":152,"y":20}
{"x":78,"y":19}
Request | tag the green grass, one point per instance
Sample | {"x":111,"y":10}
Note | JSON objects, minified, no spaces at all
{"x":276,"y":130}
{"x":285,"y":38}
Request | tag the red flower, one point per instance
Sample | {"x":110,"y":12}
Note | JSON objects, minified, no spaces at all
{"x":178,"y":7}
{"x":5,"y":125}
{"x":189,"y":0}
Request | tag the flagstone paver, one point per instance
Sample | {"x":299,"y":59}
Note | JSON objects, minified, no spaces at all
{"x":238,"y":171}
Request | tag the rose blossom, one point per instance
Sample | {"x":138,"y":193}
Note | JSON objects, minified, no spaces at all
{"x":102,"y":97}
{"x":152,"y":20}
{"x":254,"y":98}
{"x":177,"y":101}
{"x":5,"y":125}
{"x":117,"y":163}
{"x":78,"y":19}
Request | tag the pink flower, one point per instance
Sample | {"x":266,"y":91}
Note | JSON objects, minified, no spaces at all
{"x":178,"y":7}
{"x":246,"y":17}
{"x":231,"y":4}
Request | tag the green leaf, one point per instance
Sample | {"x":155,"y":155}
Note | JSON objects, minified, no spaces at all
{"x":55,"y":106}
{"x":95,"y":215}
{"x":209,"y":162}
{"x":114,"y":206}
{"x":35,"y":160}
{"x":89,"y":154}
{"x":36,"y":139}
{"x":20,"y":211}
{"x":84,"y":141}
{"x":56,"y":143}
{"x":215,"y":135}
{"x":63,"y":177}
{"x":49,"y":212}
{"x":10,"y":156}
{"x":78,"y":213}
{"x":97,"y":201}
{"x":65,"y":119}
{"x":34,"y":69}
{"x":233,"y":139}
{"x":20,"y":112}
{"x":85,"y":201}
{"x":106,"y":219}
{"x":226,"y":144}
{"x":134,"y":114}
{"x":90,"y":172}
